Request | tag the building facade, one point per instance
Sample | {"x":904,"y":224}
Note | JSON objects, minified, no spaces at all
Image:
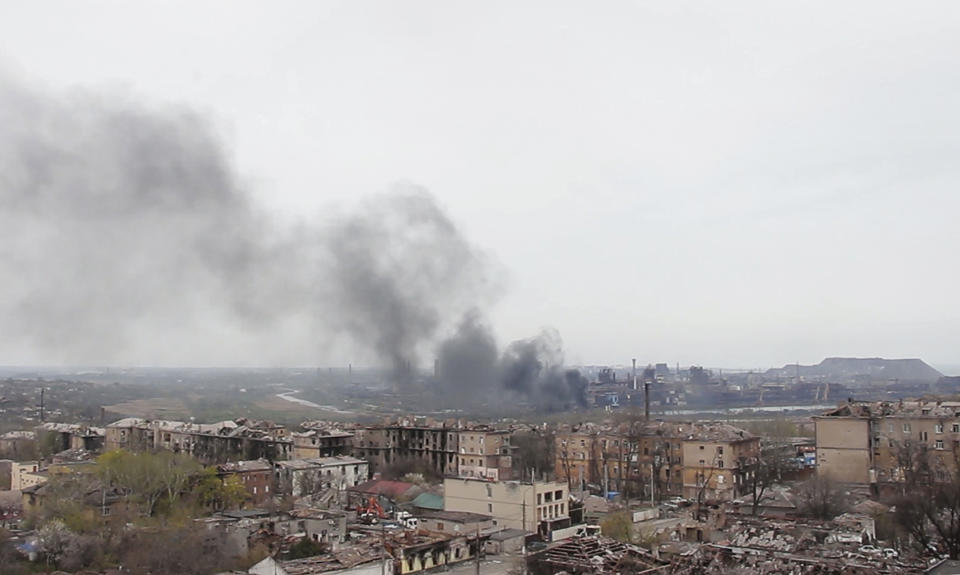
{"x":890,"y":443}
{"x":434,"y":445}
{"x":511,"y":504}
{"x":485,"y":453}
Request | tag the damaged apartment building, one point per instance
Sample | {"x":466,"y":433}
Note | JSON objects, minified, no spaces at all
{"x":210,"y":443}
{"x":447,"y":448}
{"x":881,"y":443}
{"x":667,"y":458}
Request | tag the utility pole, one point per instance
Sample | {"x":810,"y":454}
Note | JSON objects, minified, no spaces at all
{"x":651,"y":480}
{"x":478,"y":549}
{"x":523,"y":546}
{"x":383,"y":550}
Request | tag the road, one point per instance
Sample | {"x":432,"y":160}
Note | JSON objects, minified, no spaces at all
{"x":491,"y":565}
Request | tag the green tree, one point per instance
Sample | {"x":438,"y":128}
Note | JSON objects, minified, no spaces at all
{"x":618,"y":526}
{"x":216,"y":494}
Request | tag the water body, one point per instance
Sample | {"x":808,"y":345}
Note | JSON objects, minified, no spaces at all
{"x":288,"y":397}
{"x":756,"y":409}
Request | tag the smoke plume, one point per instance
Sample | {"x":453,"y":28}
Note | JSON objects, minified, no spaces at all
{"x":531,"y":369}
{"x":126,"y":237}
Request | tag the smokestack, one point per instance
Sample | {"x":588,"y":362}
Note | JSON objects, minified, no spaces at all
{"x":103,"y":415}
{"x":634,"y":374}
{"x":646,"y":399}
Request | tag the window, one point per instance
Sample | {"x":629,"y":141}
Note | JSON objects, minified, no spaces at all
{"x":939,"y":444}
{"x":955,"y":428}
{"x":558,"y":495}
{"x":702,"y":462}
{"x":923,"y":436}
{"x":489,"y":491}
{"x":720,"y":450}
{"x":490,"y":507}
{"x":720,"y":464}
{"x":254,"y":489}
{"x":938,"y":428}
{"x":890,"y":427}
{"x":539,"y":498}
{"x":701,"y":448}
{"x":906,"y":428}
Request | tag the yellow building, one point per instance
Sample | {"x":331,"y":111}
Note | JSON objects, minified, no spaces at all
{"x":512,"y":504}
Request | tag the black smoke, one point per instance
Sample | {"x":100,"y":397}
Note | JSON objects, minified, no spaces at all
{"x":531,"y":369}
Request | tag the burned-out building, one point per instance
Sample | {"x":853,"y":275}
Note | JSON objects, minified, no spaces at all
{"x":409,"y":439}
{"x":64,"y":436}
{"x":318,"y":440}
{"x":220,"y":442}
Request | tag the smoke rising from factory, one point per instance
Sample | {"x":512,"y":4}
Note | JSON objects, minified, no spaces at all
{"x":530,"y":368}
{"x":127,"y":237}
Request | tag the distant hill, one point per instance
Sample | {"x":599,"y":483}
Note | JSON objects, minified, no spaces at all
{"x":864,"y":369}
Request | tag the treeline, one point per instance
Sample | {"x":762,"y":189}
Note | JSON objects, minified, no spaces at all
{"x":135,"y":510}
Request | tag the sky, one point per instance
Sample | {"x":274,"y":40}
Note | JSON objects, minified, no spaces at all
{"x":737,"y":184}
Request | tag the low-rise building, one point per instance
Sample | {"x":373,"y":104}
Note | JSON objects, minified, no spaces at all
{"x":308,"y":476}
{"x":26,"y":474}
{"x":453,"y":522}
{"x":540,"y":506}
{"x":256,"y":477}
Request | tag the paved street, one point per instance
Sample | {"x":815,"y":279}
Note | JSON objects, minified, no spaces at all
{"x":492,"y":565}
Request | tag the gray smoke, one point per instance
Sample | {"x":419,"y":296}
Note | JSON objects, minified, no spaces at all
{"x":125,"y":234}
{"x":126,"y":237}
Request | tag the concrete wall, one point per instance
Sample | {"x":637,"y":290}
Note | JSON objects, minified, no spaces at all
{"x":843,"y":448}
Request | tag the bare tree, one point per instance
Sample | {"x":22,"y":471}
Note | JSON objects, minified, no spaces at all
{"x":821,"y":498}
{"x":761,"y":471}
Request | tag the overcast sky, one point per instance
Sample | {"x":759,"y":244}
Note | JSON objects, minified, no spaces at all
{"x":729,"y":184}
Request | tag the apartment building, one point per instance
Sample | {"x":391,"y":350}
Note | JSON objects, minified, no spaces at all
{"x":321,"y":443}
{"x":485,"y":453}
{"x":219,"y":442}
{"x":419,"y":439}
{"x":659,"y":457}
{"x":307,"y":476}
{"x":255,"y":476}
{"x":532,"y":506}
{"x":715,"y":457}
{"x":886,"y":443}
{"x":625,"y":458}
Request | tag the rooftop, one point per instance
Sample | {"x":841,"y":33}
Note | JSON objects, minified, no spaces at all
{"x":454,"y":516}
{"x":902,"y":408}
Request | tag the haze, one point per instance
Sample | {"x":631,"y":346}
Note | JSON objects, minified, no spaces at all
{"x":742,"y":185}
